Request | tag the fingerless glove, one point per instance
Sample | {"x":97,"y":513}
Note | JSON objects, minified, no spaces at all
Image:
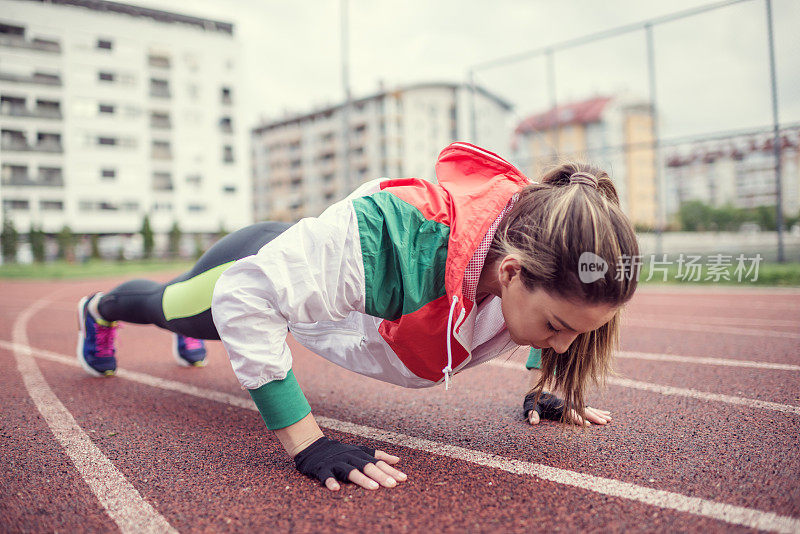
{"x":327,"y":458}
{"x":549,"y":406}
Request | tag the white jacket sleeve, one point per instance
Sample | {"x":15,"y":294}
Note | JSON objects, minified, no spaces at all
{"x":311,"y":272}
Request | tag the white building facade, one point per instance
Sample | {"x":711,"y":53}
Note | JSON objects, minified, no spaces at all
{"x":736,"y":171}
{"x":303,"y":163}
{"x":110,"y":112}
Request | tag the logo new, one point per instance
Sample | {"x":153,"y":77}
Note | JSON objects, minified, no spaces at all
{"x":591,"y":267}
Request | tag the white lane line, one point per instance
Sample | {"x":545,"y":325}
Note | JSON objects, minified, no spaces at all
{"x":736,"y":515}
{"x":679,"y":392}
{"x":713,"y":320}
{"x":706,"y":361}
{"x":124,"y":504}
{"x":710,"y":329}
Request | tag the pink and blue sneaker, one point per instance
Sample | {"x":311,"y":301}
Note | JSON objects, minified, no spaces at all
{"x":95,"y":342}
{"x":188,"y":351}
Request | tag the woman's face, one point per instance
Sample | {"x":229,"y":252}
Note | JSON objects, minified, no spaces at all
{"x":538,"y":319}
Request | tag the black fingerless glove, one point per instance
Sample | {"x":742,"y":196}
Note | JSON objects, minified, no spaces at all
{"x":327,"y":458}
{"x":549,"y":406}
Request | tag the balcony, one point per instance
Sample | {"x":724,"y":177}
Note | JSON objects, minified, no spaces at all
{"x":42,"y":45}
{"x":43,"y":180}
{"x":37,"y":113}
{"x":36,"y":78}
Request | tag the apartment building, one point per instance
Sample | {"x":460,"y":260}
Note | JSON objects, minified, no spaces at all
{"x":612,"y":132}
{"x":111,"y":111}
{"x":737,"y":171}
{"x":303,"y":163}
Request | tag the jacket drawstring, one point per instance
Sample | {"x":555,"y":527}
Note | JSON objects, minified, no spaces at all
{"x":449,"y":369}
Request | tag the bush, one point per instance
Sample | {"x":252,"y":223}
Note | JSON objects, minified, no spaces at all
{"x":37,"y":239}
{"x":94,"y":242}
{"x":148,"y":240}
{"x":175,"y":240}
{"x":9,"y":237}
{"x":695,"y":216}
{"x":66,"y":244}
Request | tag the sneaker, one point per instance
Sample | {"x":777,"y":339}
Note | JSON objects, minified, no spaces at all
{"x":95,"y":342}
{"x":188,"y":351}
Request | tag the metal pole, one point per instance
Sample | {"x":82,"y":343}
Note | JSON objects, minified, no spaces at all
{"x":776,"y":134}
{"x":658,"y":189}
{"x":473,"y":123}
{"x":551,"y":89}
{"x":348,"y":180}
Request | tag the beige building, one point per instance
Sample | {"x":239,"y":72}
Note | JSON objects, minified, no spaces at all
{"x":611,"y":132}
{"x":302,"y":163}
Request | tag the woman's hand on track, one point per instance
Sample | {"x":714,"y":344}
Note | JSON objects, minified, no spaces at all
{"x":593,"y":416}
{"x":374,"y":475}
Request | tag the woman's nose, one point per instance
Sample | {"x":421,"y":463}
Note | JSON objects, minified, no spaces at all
{"x":561,"y":342}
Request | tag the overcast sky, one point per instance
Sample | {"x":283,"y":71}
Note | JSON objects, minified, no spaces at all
{"x":712,"y":69}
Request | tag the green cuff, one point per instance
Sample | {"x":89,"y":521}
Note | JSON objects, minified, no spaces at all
{"x":534,"y":359}
{"x":281,"y":402}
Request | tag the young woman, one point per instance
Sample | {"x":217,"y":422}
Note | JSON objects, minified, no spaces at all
{"x":405,"y":281}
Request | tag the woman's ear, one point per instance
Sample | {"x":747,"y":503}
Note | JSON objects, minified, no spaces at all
{"x":509,"y":267}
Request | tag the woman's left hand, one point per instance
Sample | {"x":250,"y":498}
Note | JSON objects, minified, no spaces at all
{"x":593,"y":415}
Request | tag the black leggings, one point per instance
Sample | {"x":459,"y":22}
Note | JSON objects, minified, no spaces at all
{"x":142,"y":301}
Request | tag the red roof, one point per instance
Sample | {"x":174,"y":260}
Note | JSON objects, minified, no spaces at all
{"x":584,"y":112}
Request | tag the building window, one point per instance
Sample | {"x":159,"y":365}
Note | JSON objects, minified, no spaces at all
{"x":196,"y":207}
{"x":105,"y":76}
{"x":108,"y":175}
{"x":155,"y":60}
{"x":160,"y":120}
{"x":229,"y":188}
{"x":159,"y":88}
{"x":107,"y":141}
{"x":227,"y":154}
{"x":104,"y":44}
{"x":162,"y":206}
{"x":51,"y":176}
{"x":12,"y":204}
{"x":226,"y":125}
{"x":162,"y":181}
{"x":106,"y":109}
{"x":194,"y":179}
{"x":226,"y":95}
{"x":161,"y":150}
{"x":51,"y":205}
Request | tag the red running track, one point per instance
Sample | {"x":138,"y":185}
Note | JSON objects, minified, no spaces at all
{"x":201,"y":460}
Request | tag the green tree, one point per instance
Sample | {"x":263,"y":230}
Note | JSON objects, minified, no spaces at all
{"x":175,"y":235}
{"x":148,"y":239}
{"x":94,"y":241}
{"x":37,"y":239}
{"x":9,"y":238}
{"x":66,"y":244}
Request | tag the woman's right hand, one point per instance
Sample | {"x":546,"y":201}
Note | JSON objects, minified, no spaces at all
{"x":331,"y":461}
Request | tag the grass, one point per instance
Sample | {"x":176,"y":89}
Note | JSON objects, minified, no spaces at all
{"x":58,"y":270}
{"x":769,"y":274}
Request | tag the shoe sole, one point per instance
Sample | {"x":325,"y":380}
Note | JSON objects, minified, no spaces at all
{"x":177,"y":356}
{"x":81,"y":339}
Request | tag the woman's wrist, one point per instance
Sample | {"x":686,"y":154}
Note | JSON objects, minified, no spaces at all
{"x":300,"y":435}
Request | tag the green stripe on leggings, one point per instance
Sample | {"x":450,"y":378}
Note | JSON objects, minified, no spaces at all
{"x":193,"y":296}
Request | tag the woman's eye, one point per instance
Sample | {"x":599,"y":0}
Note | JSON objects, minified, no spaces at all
{"x":550,"y":327}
